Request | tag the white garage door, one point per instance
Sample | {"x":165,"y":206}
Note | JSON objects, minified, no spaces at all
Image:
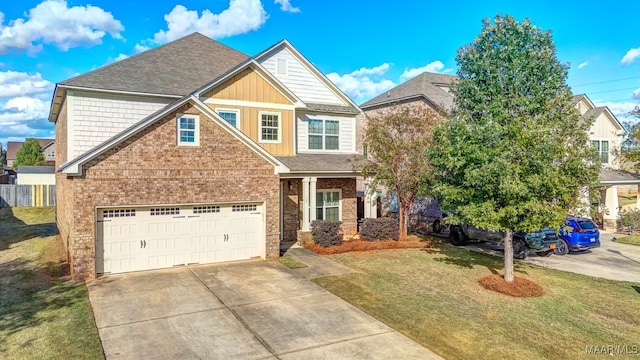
{"x":144,"y":238}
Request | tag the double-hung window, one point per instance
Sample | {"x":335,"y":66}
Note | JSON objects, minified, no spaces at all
{"x":230,"y":116}
{"x":602,"y":147}
{"x":188,"y":130}
{"x":270,"y":127}
{"x":324,"y":134}
{"x":328,"y":205}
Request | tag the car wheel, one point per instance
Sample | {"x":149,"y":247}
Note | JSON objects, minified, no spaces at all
{"x":457,"y":237}
{"x":520,"y":248}
{"x":545,"y":253}
{"x":437,"y":228}
{"x":562,"y":248}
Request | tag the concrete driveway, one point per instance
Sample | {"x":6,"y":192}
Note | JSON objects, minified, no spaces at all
{"x":247,"y":310}
{"x":611,"y":260}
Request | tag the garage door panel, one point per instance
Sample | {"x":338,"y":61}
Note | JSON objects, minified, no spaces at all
{"x":152,"y":238}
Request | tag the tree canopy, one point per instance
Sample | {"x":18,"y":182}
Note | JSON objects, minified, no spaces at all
{"x":630,"y":149}
{"x":398,"y":140}
{"x":30,"y":153}
{"x":515,"y":153}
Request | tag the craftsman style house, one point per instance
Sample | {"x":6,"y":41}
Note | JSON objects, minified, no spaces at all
{"x":433,"y":90}
{"x":194,"y":152}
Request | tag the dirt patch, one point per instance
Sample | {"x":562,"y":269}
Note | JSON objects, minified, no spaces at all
{"x":363,"y":245}
{"x":520,"y":287}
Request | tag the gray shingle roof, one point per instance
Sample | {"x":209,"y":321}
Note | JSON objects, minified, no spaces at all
{"x":338,"y":109}
{"x":25,"y":169}
{"x":424,"y":85}
{"x":176,"y":68}
{"x":594,"y":113}
{"x":611,"y":176}
{"x":321,"y":162}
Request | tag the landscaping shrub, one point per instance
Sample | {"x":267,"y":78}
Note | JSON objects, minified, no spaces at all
{"x":379,"y":229}
{"x":326,"y":233}
{"x":630,"y":220}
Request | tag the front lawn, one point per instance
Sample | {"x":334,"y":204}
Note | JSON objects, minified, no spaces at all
{"x":630,"y":239}
{"x":43,"y":315}
{"x":433,"y":296}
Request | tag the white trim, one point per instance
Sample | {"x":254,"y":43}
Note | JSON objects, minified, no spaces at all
{"x":196,"y":131}
{"x":339,"y":191}
{"x":600,"y":140}
{"x":74,"y":167}
{"x":119,"y":92}
{"x":279,"y":114}
{"x":305,"y":62}
{"x":320,"y":174}
{"x":230,"y":110}
{"x":244,"y":103}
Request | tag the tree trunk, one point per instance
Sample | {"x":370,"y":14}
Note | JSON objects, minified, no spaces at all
{"x":402,"y":231}
{"x":508,"y":256}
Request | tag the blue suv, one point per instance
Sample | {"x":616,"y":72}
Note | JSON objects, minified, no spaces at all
{"x":578,"y":234}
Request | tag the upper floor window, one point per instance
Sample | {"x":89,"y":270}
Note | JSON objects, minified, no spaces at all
{"x":602,"y":147}
{"x":231,"y":116}
{"x":188,"y":130}
{"x":270,"y":127}
{"x":51,"y":154}
{"x":324,"y":134}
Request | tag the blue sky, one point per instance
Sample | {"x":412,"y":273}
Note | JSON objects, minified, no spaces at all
{"x":365,"y":47}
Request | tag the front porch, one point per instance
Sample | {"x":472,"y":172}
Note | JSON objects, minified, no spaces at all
{"x":609,"y":207}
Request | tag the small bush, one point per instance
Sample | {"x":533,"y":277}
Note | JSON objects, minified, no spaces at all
{"x":630,"y":220}
{"x":379,"y":229}
{"x":326,"y":233}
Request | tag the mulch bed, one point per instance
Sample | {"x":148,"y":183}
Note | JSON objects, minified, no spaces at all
{"x":520,"y":287}
{"x":363,"y":245}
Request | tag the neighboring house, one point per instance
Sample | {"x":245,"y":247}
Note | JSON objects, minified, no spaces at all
{"x":432,"y":90}
{"x":193,"y":152}
{"x":47,"y":145}
{"x":36,"y":175}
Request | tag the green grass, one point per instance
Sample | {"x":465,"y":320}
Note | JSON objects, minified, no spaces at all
{"x":433,"y":297}
{"x":43,"y":315}
{"x":626,"y":200}
{"x":630,"y":240}
{"x":291,"y":263}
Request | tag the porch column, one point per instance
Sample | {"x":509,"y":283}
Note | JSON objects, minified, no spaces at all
{"x":369,"y":200}
{"x":305,"y":204}
{"x":611,"y":206}
{"x":638,"y":198}
{"x":312,"y":197}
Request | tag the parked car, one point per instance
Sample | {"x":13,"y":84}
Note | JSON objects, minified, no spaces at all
{"x":542,"y":242}
{"x":578,"y":234}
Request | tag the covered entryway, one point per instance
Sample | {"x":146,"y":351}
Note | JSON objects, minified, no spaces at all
{"x":145,"y":238}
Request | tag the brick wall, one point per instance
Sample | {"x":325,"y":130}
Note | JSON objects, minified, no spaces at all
{"x":292,"y":204}
{"x":349,"y":201}
{"x":149,"y":168}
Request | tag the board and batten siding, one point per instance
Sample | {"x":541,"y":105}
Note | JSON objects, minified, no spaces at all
{"x":247,"y":86}
{"x":300,"y":80}
{"x":347,"y":133}
{"x":93,"y":118}
{"x":249,"y":118}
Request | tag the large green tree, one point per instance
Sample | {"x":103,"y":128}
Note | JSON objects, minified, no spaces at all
{"x":630,"y":149}
{"x":30,"y":153}
{"x":515,"y":154}
{"x":398,"y":140}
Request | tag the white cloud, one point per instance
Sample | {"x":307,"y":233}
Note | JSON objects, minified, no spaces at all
{"x":53,"y":22}
{"x":582,"y":65}
{"x":434,"y":67}
{"x":630,"y":56}
{"x":364,"y":83}
{"x":240,"y":17}
{"x":14,"y":83}
{"x":621,"y":109}
{"x":285,"y":5}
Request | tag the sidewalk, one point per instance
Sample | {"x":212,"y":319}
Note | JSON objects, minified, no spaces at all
{"x":318,"y":266}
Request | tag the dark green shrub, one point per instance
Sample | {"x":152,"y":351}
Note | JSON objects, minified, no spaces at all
{"x":326,"y":233}
{"x":379,"y":229}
